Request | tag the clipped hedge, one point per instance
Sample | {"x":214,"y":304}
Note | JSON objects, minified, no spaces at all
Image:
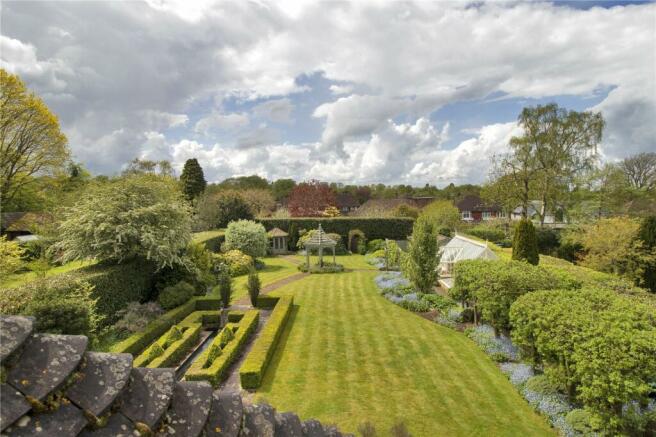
{"x":215,"y":372}
{"x":252,"y":371}
{"x":207,"y":318}
{"x":394,"y":228}
{"x":266,"y":301}
{"x":137,"y":342}
{"x":174,"y":352}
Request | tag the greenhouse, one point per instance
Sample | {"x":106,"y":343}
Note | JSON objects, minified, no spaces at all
{"x":458,"y":249}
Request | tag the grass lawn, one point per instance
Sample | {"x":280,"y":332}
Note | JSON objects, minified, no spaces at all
{"x":348,"y":356}
{"x":23,"y":278}
{"x":276,"y":269}
{"x":348,"y":261}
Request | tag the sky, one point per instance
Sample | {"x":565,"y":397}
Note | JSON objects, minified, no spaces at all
{"x":352,"y":92}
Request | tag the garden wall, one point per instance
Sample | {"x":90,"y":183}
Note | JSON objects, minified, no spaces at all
{"x":392,"y":228}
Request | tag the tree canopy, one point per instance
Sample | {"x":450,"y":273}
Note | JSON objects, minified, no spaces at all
{"x":137,"y":216}
{"x":31,"y":142}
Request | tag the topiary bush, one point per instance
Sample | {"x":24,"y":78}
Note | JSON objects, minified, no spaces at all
{"x":541,"y":384}
{"x":247,"y":236}
{"x":374,"y":228}
{"x":253,"y":286}
{"x":525,"y":243}
{"x":175,"y":295}
{"x":225,"y":288}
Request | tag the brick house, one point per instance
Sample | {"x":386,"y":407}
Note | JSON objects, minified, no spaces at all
{"x":473,"y":209}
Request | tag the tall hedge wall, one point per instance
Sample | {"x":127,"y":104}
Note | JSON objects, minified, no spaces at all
{"x":392,"y":228}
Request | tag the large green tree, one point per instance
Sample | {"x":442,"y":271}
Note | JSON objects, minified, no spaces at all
{"x":137,"y":216}
{"x":192,"y":179}
{"x":556,"y":145}
{"x":31,"y":143}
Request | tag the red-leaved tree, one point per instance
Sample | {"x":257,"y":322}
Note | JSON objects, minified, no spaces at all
{"x":310,"y":199}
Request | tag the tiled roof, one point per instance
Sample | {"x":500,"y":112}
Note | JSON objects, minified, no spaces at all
{"x":53,"y":386}
{"x":277,"y":232}
{"x":475,"y":203}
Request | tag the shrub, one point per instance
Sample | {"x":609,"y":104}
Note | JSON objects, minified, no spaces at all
{"x":238,"y":262}
{"x":579,"y":420}
{"x":525,"y":243}
{"x":252,"y":371}
{"x":174,"y":334}
{"x":541,"y":384}
{"x":175,"y":295}
{"x":422,"y":256}
{"x":225,"y":288}
{"x":373,"y":228}
{"x":392,"y":255}
{"x":62,"y":305}
{"x":548,"y":240}
{"x":494,"y":285}
{"x":253,"y":285}
{"x":131,"y":217}
{"x":153,"y":352}
{"x":136,"y":316}
{"x":10,"y":256}
{"x":248,"y":237}
{"x":487,"y":232}
{"x":443,"y":214}
{"x":375,"y":245}
{"x":216,"y":371}
{"x":606,"y":326}
{"x":214,"y":353}
{"x":438,"y":302}
{"x":326,"y":268}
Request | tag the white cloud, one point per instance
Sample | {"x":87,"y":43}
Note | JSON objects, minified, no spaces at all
{"x":115,"y":72}
{"x":341,"y":89}
{"x":228,"y":122}
{"x":277,"y":110}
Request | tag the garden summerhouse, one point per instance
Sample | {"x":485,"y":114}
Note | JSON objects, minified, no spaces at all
{"x":457,"y":249}
{"x":278,"y":240}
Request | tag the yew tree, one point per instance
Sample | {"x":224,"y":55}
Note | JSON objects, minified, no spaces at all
{"x":192,"y":179}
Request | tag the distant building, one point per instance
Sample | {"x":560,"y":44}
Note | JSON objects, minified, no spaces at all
{"x":473,"y":209}
{"x":15,"y":224}
{"x":554,"y":218}
{"x":346,"y":203}
{"x":381,"y":207}
{"x":278,"y":239}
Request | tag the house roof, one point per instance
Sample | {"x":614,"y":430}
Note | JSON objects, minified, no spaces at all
{"x":277,"y":232}
{"x":462,"y":248}
{"x":54,"y":386}
{"x":22,"y":221}
{"x":476,"y":204}
{"x":346,"y":200}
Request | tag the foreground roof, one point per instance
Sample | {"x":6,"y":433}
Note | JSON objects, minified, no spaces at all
{"x":53,"y":386}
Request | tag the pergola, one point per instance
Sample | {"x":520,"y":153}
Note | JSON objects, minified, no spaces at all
{"x":319,"y":241}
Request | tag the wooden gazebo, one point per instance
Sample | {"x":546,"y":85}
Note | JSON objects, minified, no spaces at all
{"x":278,"y":240}
{"x":319,"y":241}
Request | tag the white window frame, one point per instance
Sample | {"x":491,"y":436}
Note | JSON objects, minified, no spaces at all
{"x":487,"y":215}
{"x":501,"y":214}
{"x":466,"y":215}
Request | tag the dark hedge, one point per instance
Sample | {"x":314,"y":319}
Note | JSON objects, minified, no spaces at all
{"x":392,"y":227}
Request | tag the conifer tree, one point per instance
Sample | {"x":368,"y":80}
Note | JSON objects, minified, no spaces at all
{"x":647,"y":236}
{"x":422,"y":256}
{"x":525,"y":243}
{"x":192,"y":179}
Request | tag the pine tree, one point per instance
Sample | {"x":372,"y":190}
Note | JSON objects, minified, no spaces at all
{"x":525,"y":243}
{"x":192,"y":179}
{"x":293,"y":236}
